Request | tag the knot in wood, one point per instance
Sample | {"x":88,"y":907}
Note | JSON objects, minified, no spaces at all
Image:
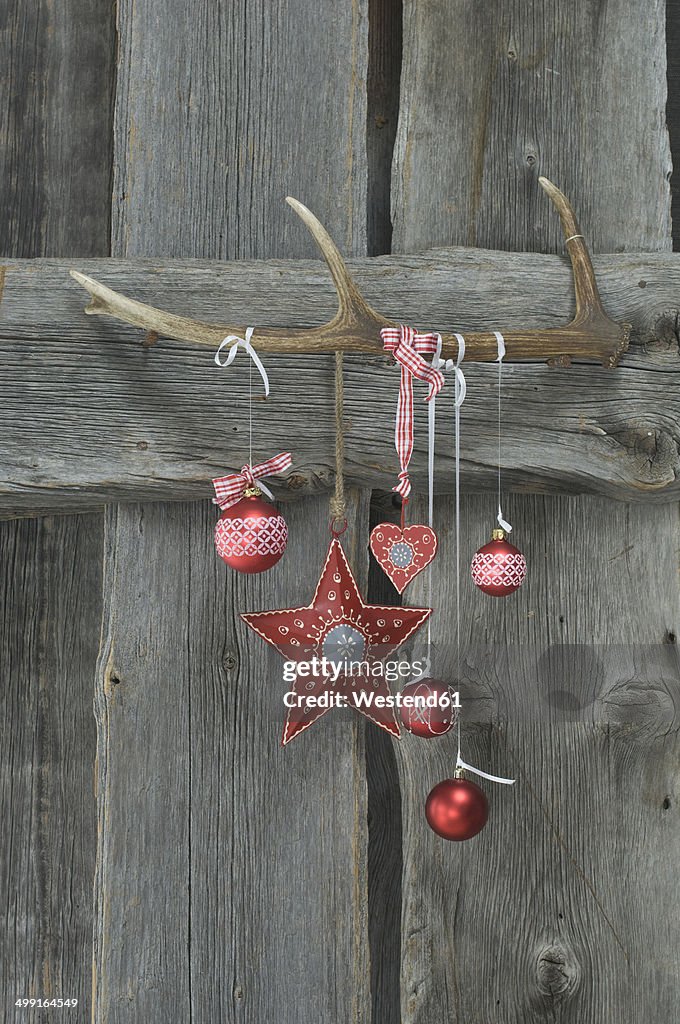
{"x":557,"y":972}
{"x":641,"y":709}
{"x":651,"y":453}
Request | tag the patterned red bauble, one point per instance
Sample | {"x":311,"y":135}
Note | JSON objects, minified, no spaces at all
{"x":429,"y":721}
{"x":498,"y":568}
{"x":251,"y":535}
{"x":457,"y":809}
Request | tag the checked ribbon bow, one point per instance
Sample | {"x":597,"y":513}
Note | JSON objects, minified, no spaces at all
{"x":408,"y":347}
{"x":229,"y":489}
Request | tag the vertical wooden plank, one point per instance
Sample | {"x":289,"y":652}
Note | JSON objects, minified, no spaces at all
{"x":278,"y":836}
{"x":571,"y":687}
{"x":534,"y":919}
{"x":50,"y":614}
{"x":220,"y":853}
{"x":267,"y":863}
{"x":57,"y":73}
{"x":493,"y":96}
{"x":56,"y":89}
{"x":142,"y":884}
{"x":251,"y":102}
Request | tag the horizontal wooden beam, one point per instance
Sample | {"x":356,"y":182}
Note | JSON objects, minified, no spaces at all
{"x":89,"y":415}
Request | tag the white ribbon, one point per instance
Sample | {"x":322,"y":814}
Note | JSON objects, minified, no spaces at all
{"x":460,"y":763}
{"x":459,"y":399}
{"x":235,"y":343}
{"x":503,"y":523}
{"x":265,"y":490}
{"x":461,"y":388}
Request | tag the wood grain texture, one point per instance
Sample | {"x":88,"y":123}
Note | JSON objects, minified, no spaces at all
{"x":264,"y":100}
{"x":56,"y":105}
{"x":279,"y":868}
{"x":258,"y":881}
{"x":535,"y":88}
{"x":56,"y":90}
{"x":141,"y":426}
{"x":536,"y":919}
{"x":50,"y":630}
{"x":573,"y":687}
{"x":231,"y":873}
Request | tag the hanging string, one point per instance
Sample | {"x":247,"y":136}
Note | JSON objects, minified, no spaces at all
{"x":460,"y":389}
{"x":338,"y":504}
{"x":503,"y":523}
{"x":234,"y":342}
{"x":460,"y":397}
{"x":436,"y":364}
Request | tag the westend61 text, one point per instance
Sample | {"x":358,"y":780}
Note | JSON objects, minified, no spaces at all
{"x":363,"y":699}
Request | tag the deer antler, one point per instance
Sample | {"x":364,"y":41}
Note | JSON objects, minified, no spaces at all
{"x":356,"y":326}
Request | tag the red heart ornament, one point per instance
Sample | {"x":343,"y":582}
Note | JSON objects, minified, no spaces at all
{"x":402,"y":554}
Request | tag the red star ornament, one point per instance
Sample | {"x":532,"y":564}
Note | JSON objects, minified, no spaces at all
{"x":341,"y":628}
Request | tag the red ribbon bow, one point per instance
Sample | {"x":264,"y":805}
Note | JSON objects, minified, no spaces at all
{"x":229,"y":489}
{"x":406,"y":345}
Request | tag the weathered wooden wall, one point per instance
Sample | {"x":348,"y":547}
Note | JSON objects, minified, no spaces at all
{"x":56,"y":91}
{"x":558,"y":910}
{"x":231,"y":876}
{"x":235,"y":881}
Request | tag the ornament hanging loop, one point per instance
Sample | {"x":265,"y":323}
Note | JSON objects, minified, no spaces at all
{"x":337,"y":531}
{"x":234,"y":342}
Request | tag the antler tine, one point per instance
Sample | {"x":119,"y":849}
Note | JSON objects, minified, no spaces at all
{"x":351,"y":304}
{"x":588,"y":299}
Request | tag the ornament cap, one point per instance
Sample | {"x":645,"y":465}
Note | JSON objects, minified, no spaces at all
{"x":459,"y":773}
{"x":252,"y":492}
{"x":498,"y":534}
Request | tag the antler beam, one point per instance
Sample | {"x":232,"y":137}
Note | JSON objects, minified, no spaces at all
{"x":591,"y":335}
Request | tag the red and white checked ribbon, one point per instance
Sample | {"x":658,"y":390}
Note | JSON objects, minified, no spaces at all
{"x":408,"y":347}
{"x":229,"y":489}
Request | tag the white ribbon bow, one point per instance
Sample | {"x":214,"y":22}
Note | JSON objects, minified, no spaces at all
{"x":235,"y":343}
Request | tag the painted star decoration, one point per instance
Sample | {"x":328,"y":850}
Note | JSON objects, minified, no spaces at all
{"x":352,"y":637}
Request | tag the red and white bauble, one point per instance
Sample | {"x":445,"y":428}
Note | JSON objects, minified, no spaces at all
{"x":433,"y":712}
{"x":498,"y":568}
{"x":457,"y":809}
{"x":251,"y":535}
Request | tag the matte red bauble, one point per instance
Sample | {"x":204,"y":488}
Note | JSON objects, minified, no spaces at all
{"x":457,"y":809}
{"x":428,"y":721}
{"x":251,"y":535}
{"x":498,"y":568}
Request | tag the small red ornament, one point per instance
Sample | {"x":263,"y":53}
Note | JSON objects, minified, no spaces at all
{"x":251,"y":535}
{"x":499,"y":567}
{"x":429,"y":721}
{"x":403,"y":552}
{"x":457,"y":809}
